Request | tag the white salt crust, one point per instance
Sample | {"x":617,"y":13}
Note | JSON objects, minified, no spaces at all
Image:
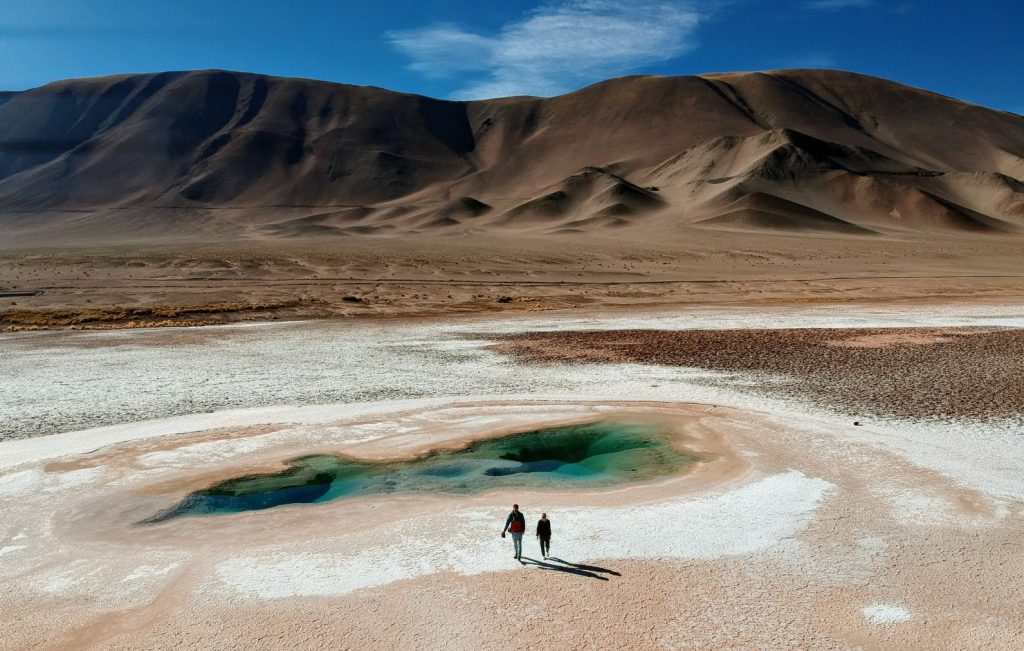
{"x":320,"y":371}
{"x":70,"y":381}
{"x":750,"y":519}
{"x":886,"y":614}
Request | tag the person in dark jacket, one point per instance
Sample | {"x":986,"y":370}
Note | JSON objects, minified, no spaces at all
{"x":515,"y":524}
{"x":544,"y":533}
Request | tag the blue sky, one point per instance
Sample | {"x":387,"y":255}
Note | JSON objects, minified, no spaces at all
{"x":484,"y":48}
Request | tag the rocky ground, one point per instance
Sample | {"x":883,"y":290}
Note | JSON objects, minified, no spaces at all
{"x":920,"y":373}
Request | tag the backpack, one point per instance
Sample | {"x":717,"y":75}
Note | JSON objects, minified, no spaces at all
{"x":518,"y":523}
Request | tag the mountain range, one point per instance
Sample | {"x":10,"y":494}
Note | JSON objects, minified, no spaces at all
{"x":215,"y":154}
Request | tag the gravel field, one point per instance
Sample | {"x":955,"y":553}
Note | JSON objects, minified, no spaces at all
{"x":915,"y":373}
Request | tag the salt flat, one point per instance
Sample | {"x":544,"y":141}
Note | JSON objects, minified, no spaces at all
{"x":52,"y":382}
{"x":798,"y":528}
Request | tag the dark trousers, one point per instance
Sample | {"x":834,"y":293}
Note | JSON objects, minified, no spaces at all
{"x":545,"y":545}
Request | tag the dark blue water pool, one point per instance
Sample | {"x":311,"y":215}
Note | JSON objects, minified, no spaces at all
{"x":596,"y":453}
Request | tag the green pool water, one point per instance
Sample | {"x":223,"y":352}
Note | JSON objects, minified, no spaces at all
{"x":591,"y":454}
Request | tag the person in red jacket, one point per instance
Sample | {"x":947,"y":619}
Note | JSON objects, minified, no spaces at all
{"x":515,"y":524}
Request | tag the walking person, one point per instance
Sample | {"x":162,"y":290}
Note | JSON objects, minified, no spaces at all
{"x":544,"y":534}
{"x":515,"y":524}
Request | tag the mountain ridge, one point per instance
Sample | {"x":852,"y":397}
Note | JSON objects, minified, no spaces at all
{"x":120,"y":152}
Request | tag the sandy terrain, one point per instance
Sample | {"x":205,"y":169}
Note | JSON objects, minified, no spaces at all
{"x":798,"y":529}
{"x":119,"y":287}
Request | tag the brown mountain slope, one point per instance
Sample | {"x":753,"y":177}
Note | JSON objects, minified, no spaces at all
{"x":212,"y":153}
{"x":764,"y":211}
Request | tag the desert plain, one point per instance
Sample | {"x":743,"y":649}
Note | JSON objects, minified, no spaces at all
{"x":807,"y":282}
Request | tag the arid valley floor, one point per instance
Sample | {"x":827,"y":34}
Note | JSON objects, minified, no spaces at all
{"x":809,"y":521}
{"x":190,"y":283}
{"x":277,"y":355}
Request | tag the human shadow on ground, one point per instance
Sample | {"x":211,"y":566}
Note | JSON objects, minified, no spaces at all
{"x":587,"y":568}
{"x":567,"y":568}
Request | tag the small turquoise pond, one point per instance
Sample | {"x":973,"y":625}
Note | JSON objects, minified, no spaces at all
{"x":592,"y":454}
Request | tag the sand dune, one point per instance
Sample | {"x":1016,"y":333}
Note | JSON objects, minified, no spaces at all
{"x":191,"y":155}
{"x":758,"y":210}
{"x":587,"y":197}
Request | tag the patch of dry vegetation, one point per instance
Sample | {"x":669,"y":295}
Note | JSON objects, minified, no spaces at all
{"x":109,"y":317}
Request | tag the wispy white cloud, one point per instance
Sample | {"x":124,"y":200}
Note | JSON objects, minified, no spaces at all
{"x":557,"y":46}
{"x":835,"y":5}
{"x":443,"y":49}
